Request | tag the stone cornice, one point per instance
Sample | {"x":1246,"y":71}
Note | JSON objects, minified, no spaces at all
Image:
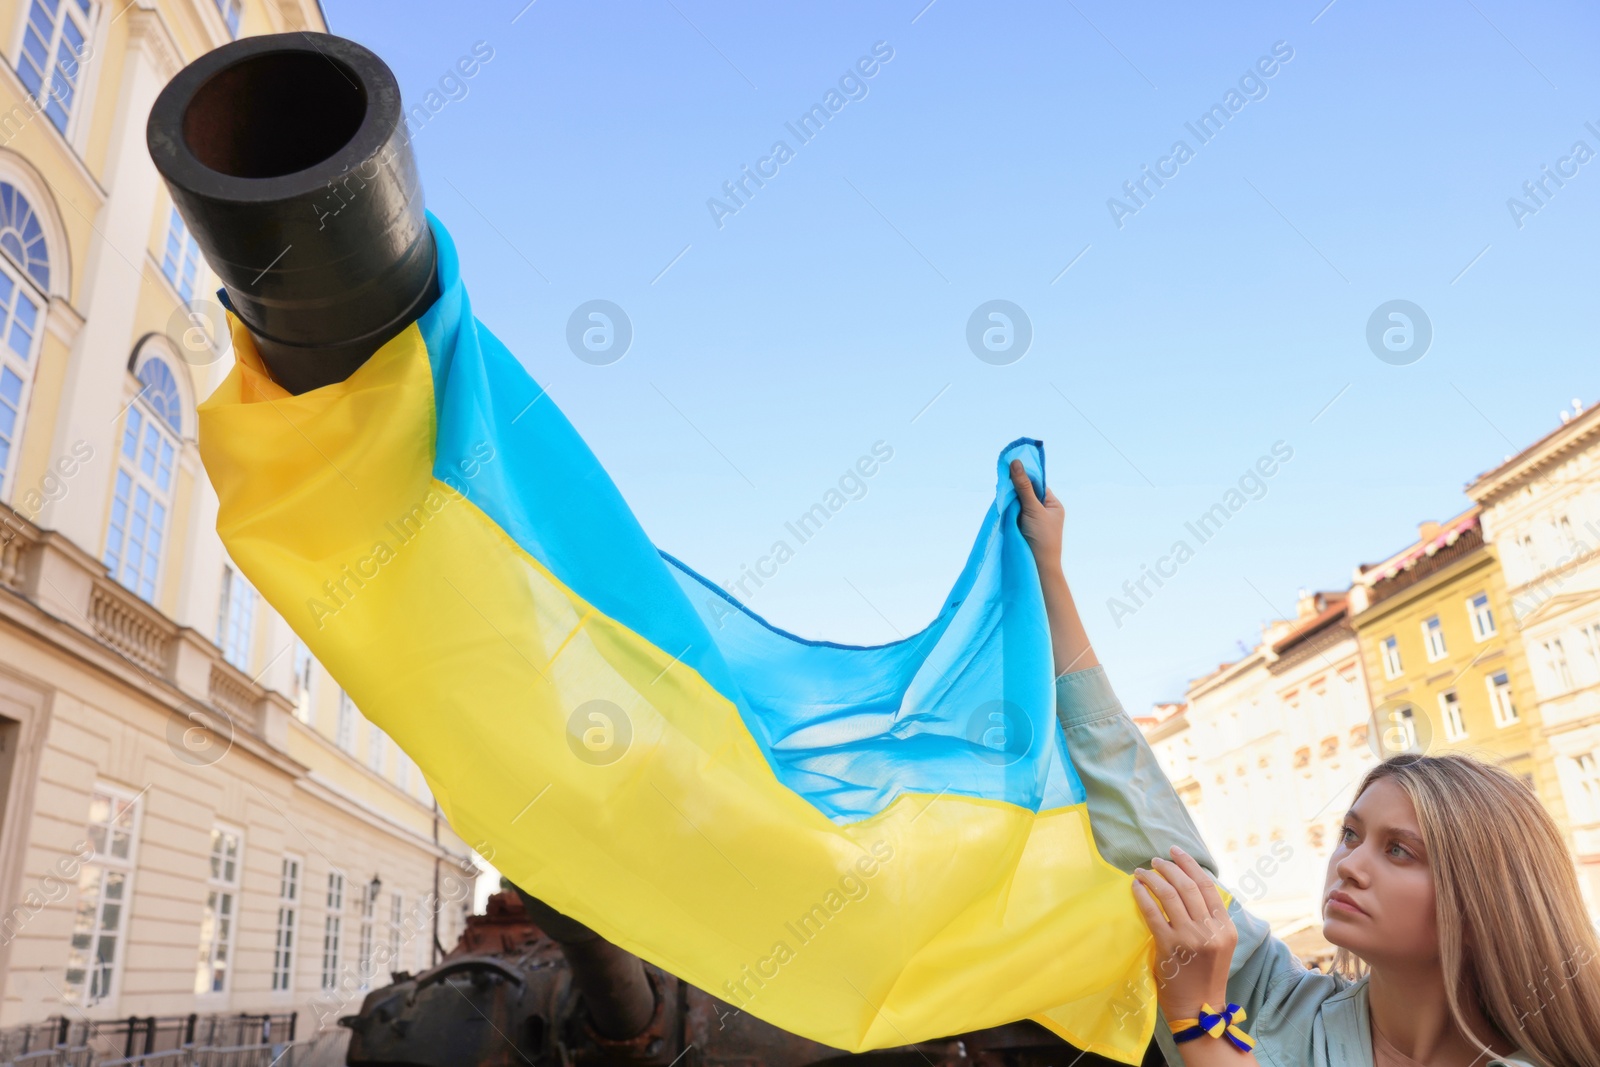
{"x":149,"y":31}
{"x":1548,"y":452}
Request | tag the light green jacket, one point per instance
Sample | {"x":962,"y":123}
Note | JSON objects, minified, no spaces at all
{"x":1299,"y":1018}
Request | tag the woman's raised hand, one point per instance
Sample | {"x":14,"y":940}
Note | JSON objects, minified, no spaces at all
{"x":1040,"y":521}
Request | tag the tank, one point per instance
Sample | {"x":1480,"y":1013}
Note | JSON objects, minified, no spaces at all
{"x":521,"y":992}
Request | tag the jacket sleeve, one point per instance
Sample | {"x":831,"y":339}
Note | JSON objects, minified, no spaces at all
{"x":1136,"y":814}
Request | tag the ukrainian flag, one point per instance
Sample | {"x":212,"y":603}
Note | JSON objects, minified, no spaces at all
{"x":868,"y":846}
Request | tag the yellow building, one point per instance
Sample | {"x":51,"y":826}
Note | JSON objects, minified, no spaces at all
{"x":193,"y":818}
{"x":1443,"y":660}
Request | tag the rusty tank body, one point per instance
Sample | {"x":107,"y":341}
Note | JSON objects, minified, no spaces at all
{"x":528,"y":987}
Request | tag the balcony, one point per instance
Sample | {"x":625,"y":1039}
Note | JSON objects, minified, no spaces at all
{"x":76,"y":601}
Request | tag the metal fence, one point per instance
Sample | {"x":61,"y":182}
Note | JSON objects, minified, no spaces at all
{"x":152,"y":1041}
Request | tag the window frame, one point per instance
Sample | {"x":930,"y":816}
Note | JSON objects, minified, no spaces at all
{"x":366,"y":937}
{"x":332,"y":930}
{"x":1557,"y":665}
{"x":286,"y":932}
{"x":236,"y":627}
{"x":233,"y":24}
{"x":170,"y":439}
{"x":1452,"y":715}
{"x":1479,"y":633}
{"x":23,"y":368}
{"x":302,"y":677}
{"x":219,"y":927}
{"x":180,"y":265}
{"x":396,"y":926}
{"x":376,"y":749}
{"x":1587,"y":769}
{"x":1429,"y":632}
{"x":344,"y":728}
{"x":90,"y":25}
{"x":1393,"y":665}
{"x":103,"y":863}
{"x":1501,"y":702}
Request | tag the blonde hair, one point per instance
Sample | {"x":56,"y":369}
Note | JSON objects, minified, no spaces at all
{"x":1513,"y":932}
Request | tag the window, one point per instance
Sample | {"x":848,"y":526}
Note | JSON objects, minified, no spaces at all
{"x":1530,"y":550}
{"x":332,"y":925}
{"x":1433,"y":638}
{"x":1391,"y":657}
{"x":236,"y":615}
{"x":221,"y":914}
{"x":396,"y":924}
{"x":1589,"y":780}
{"x":1555,"y":661}
{"x":59,"y":29}
{"x":1564,"y":535}
{"x":345,"y":728}
{"x":402,"y":771}
{"x":369,"y":904}
{"x":1505,"y":712}
{"x":104,"y":890}
{"x":143,"y":489}
{"x":1399,"y":733}
{"x":288,"y":914}
{"x":22,"y":239}
{"x":181,"y":257}
{"x":375,"y":746}
{"x":1482,"y":617}
{"x":300,"y":685}
{"x":1450,"y":711}
{"x":1591,"y":648}
{"x":231,"y":11}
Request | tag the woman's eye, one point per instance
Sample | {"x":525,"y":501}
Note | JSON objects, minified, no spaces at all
{"x":1399,"y":852}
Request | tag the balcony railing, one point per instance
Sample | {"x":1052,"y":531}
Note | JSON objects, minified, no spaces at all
{"x":45,"y":568}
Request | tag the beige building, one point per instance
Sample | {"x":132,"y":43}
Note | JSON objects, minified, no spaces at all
{"x":193,"y":818}
{"x":1541,"y":510}
{"x":1266,"y":753}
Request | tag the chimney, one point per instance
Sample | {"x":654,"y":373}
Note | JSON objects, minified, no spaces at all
{"x":1308,"y":604}
{"x":1427,"y":531}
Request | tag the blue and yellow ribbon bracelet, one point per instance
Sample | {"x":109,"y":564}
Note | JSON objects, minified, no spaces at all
{"x":1213,"y":1023}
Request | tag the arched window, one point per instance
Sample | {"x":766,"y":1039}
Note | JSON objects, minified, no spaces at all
{"x":161,"y":392}
{"x":21,"y":235}
{"x":142,"y":497}
{"x":26,"y":260}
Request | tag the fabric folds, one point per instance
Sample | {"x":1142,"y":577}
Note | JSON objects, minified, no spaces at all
{"x":869,"y":846}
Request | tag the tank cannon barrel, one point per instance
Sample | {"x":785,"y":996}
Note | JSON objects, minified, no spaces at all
{"x":611,"y":980}
{"x":288,"y":158}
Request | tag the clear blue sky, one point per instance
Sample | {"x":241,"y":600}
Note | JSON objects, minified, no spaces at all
{"x":1225,"y":315}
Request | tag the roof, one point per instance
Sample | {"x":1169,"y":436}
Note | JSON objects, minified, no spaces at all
{"x":1309,"y":627}
{"x":1449,"y":531}
{"x":1507,"y":475}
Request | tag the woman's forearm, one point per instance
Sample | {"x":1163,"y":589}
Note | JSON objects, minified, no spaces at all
{"x":1069,"y":642}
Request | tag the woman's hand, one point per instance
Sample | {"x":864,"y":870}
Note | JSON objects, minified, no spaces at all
{"x":1195,"y":937}
{"x":1040,"y":522}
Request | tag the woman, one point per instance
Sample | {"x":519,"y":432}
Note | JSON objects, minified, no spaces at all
{"x":1462,"y":934}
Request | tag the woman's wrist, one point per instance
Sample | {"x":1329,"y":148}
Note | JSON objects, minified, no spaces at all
{"x":1189,"y":1008}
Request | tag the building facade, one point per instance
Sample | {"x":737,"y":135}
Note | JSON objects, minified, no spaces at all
{"x":1541,"y":512}
{"x":1444,"y":662}
{"x":193,"y":816}
{"x":1275,"y":744}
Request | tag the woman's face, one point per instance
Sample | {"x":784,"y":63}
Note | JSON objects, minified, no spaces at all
{"x":1378,"y":899}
